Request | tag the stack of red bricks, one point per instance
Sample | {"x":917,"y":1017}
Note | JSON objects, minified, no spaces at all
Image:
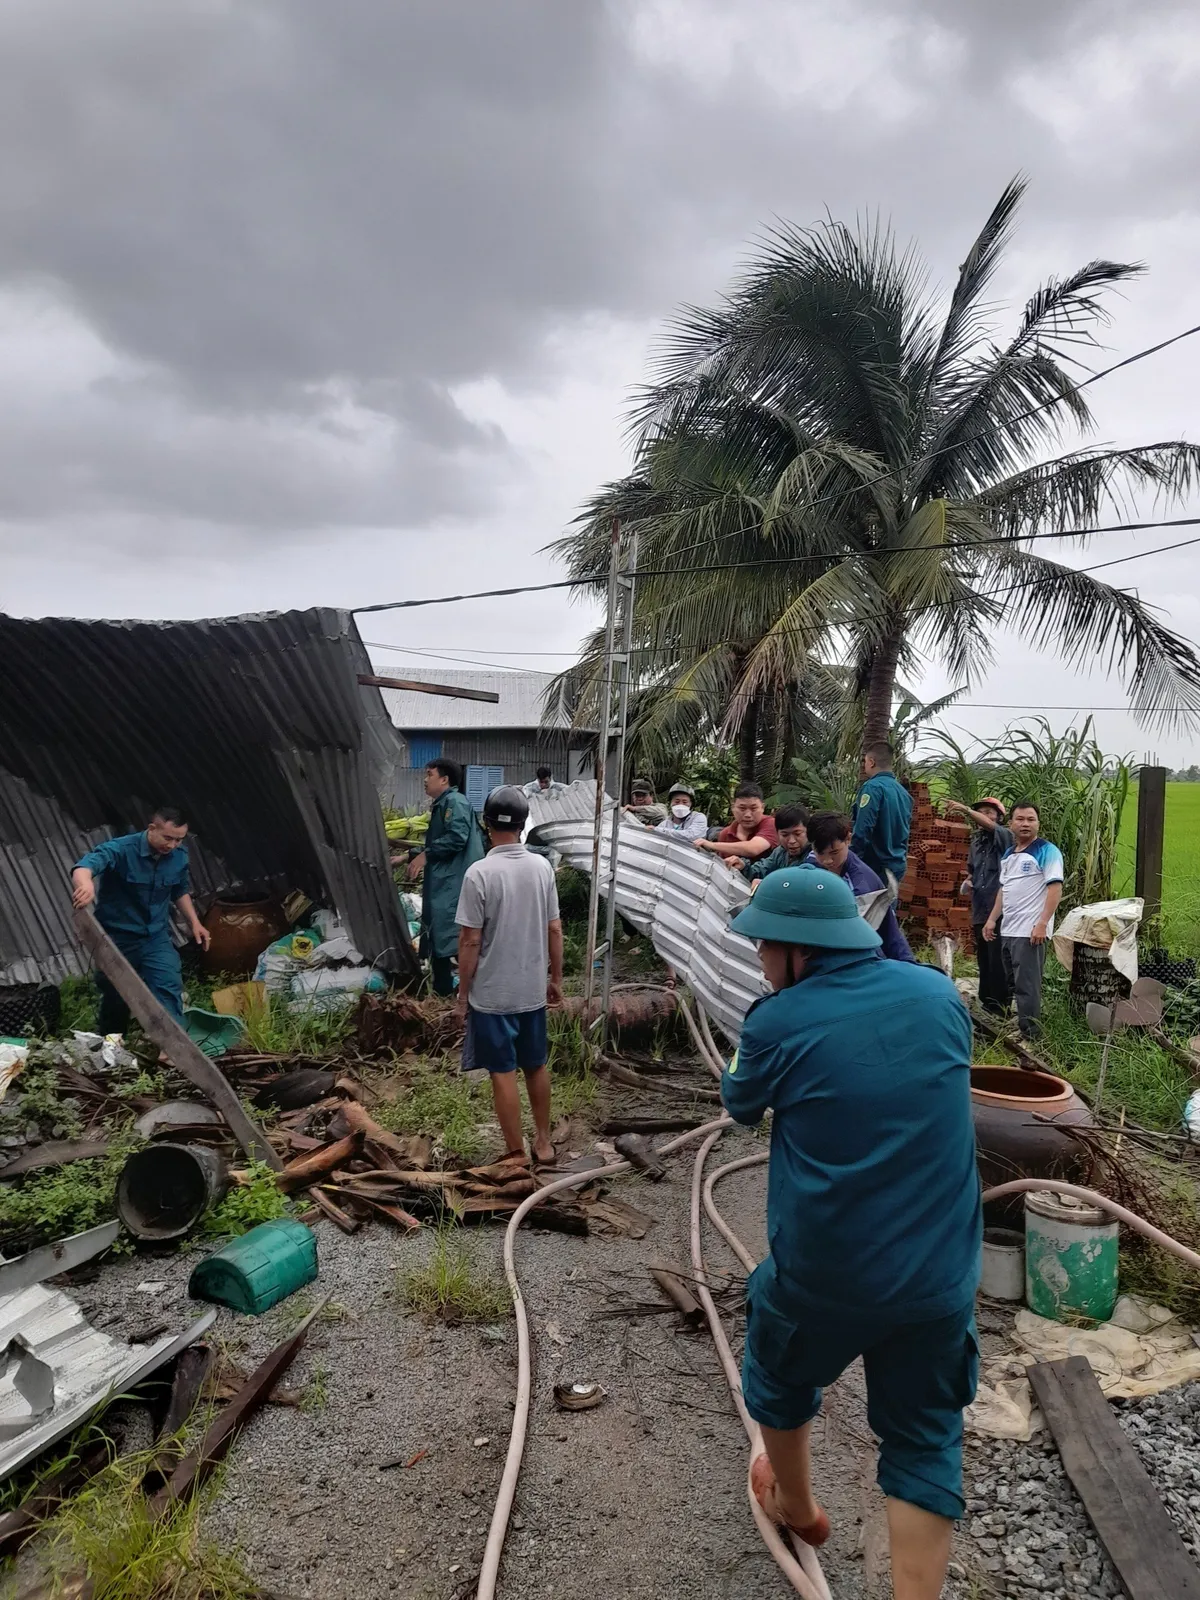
{"x":930,"y":902}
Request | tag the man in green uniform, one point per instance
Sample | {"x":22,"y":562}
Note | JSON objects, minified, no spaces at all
{"x":452,"y":842}
{"x":874,"y":1219}
{"x":882,"y":815}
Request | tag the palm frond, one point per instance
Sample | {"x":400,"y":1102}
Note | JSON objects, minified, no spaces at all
{"x":1074,"y":490}
{"x":966,"y":320}
{"x":1092,"y":623}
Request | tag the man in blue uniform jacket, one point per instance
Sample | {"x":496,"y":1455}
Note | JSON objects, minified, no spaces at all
{"x":882,"y":815}
{"x":873,"y":1212}
{"x":134,"y":881}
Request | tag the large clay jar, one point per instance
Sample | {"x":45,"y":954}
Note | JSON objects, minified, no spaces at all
{"x":241,"y":928}
{"x":1021,"y":1120}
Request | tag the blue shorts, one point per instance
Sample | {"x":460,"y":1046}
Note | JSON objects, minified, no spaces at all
{"x":920,"y":1375}
{"x":503,"y":1041}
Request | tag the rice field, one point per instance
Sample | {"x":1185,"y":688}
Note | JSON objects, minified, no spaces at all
{"x":1181,"y":864}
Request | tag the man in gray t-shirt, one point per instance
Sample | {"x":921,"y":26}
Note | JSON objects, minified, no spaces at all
{"x":509,"y":939}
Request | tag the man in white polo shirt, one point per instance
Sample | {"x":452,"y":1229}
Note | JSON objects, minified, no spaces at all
{"x":1031,"y":884}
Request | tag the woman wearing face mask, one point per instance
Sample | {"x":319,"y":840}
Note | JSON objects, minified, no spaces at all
{"x":683,"y":822}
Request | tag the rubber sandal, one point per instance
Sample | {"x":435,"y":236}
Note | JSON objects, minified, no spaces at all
{"x":762,"y":1482}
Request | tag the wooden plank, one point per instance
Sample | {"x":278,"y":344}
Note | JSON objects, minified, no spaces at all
{"x":162,"y":1029}
{"x":370,"y":681}
{"x":1130,"y":1520}
{"x":1151,"y":819}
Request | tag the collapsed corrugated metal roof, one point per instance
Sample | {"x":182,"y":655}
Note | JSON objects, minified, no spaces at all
{"x":682,"y":899}
{"x":521,"y":703}
{"x":257,"y":725}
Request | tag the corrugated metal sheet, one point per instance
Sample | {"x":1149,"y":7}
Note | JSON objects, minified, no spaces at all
{"x":520,"y":706}
{"x":257,"y":725}
{"x":520,"y":752}
{"x":683,"y":899}
{"x":87,"y":1366}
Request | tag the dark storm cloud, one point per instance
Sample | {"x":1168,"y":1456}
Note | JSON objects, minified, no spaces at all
{"x":293,"y":227}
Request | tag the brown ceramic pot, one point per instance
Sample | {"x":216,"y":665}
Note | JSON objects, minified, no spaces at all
{"x":1020,"y":1122}
{"x":240,"y":930}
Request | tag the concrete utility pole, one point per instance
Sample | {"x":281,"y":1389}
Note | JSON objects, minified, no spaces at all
{"x":1152,"y":810}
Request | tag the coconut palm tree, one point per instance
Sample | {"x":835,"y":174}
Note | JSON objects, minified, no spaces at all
{"x":881,"y":462}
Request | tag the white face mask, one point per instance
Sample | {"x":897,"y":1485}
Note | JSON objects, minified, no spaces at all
{"x":680,"y":809}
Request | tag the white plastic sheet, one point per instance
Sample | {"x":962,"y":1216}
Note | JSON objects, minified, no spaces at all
{"x":1110,"y":925}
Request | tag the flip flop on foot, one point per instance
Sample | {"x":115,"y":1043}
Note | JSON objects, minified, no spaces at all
{"x":544,"y":1155}
{"x":762,"y":1481}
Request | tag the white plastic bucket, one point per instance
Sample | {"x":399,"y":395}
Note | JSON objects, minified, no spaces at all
{"x":1003,"y":1275}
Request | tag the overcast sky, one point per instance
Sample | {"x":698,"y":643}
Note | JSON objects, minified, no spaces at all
{"x":329,"y":303}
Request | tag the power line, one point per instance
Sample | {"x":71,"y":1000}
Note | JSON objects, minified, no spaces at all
{"x":1021,"y":416}
{"x":785,"y":561}
{"x":644,"y":650}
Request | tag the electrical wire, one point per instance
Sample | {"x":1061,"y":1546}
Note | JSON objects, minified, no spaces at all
{"x":789,"y":561}
{"x":1021,"y":416}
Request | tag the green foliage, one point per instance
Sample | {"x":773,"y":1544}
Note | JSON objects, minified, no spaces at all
{"x":452,"y":1287}
{"x":260,"y":1199}
{"x":315,"y":1396}
{"x":441,"y":1102}
{"x":886,"y":453}
{"x":107,"y":1531}
{"x":825,"y":786}
{"x":80,"y":1004}
{"x":35,"y":1098}
{"x":51,"y":1205}
{"x":573,"y":892}
{"x":314,"y":1031}
{"x":713,"y":773}
{"x":1079,"y":791}
{"x":1143,"y":1078}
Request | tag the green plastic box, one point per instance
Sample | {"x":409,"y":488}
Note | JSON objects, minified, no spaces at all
{"x":255,"y":1272}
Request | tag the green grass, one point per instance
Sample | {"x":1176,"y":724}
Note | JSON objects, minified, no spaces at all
{"x":442,"y":1103}
{"x":52,"y":1205}
{"x":106,"y":1530}
{"x":275,"y":1029}
{"x":1151,"y":1086}
{"x":452,"y":1287}
{"x":1181,"y":864}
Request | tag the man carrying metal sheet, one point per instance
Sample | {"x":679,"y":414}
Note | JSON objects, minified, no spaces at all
{"x":873,"y":1213}
{"x":141,"y":876}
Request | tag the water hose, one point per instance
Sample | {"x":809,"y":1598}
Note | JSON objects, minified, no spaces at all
{"x":494,"y":1548}
{"x":1129,"y":1218}
{"x":804,"y":1573}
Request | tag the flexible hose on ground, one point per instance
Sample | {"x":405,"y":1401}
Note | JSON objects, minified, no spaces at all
{"x":494,"y":1548}
{"x":711,"y":1060}
{"x":804,"y":1574}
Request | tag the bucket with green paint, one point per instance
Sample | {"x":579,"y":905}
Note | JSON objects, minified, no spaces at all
{"x":1070,"y":1258}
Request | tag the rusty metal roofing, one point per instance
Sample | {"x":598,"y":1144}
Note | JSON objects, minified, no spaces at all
{"x":256,"y":725}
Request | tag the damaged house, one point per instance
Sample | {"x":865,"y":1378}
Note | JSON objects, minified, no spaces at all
{"x":261,"y":727}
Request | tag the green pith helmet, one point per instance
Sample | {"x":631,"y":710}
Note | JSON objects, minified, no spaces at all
{"x":805,"y":905}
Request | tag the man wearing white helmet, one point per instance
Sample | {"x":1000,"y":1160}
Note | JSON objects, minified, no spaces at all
{"x":682,"y":821}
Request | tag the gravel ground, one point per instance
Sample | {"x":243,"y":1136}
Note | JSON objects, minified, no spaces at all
{"x":642,"y":1497}
{"x":1031,"y":1534}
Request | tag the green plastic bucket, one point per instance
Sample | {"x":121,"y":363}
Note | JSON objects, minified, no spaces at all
{"x":255,"y":1272}
{"x":1070,"y":1258}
